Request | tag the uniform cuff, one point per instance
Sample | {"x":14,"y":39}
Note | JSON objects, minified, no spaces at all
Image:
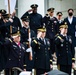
{"x":73,"y":59}
{"x":50,"y":61}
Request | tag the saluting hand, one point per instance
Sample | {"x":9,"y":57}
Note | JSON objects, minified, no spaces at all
{"x":62,"y":31}
{"x":30,"y":10}
{"x":39,"y":35}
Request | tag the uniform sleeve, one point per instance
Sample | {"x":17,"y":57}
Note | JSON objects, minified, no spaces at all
{"x":24,"y":66}
{"x":34,"y":42}
{"x":73,"y":53}
{"x":57,"y":40}
{"x":7,"y":48}
{"x":50,"y":52}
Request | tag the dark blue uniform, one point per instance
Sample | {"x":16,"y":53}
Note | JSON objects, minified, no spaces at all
{"x":3,"y":35}
{"x":35,"y":21}
{"x":65,"y":53}
{"x":16,"y":22}
{"x":42,"y":55}
{"x":14,"y":55}
{"x":52,"y":29}
{"x":24,"y":40}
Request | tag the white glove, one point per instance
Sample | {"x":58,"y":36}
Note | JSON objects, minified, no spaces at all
{"x":29,"y":39}
{"x":29,"y":49}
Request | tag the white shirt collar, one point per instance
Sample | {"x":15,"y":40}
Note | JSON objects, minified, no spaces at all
{"x":70,"y":19}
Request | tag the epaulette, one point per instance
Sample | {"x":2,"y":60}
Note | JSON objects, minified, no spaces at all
{"x":59,"y":37}
{"x":10,"y":40}
{"x":35,"y":41}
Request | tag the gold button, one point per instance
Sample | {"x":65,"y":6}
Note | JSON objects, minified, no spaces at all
{"x":48,"y":48}
{"x":39,"y":47}
{"x":52,"y":30}
{"x":19,"y":59}
{"x":19,"y":56}
{"x":66,"y":48}
{"x":9,"y":59}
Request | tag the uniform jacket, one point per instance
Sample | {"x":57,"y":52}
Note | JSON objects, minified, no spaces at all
{"x":14,"y":54}
{"x":42,"y":53}
{"x":16,"y":22}
{"x":24,"y":40}
{"x":35,"y":21}
{"x":24,"y":35}
{"x":64,"y":50}
{"x":51,"y":26}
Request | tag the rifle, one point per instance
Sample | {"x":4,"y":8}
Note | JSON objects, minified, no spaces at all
{"x":29,"y":44}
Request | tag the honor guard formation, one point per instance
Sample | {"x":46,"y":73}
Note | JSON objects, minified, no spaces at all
{"x":33,"y":44}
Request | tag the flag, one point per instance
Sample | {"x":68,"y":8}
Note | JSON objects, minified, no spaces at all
{"x":12,"y":6}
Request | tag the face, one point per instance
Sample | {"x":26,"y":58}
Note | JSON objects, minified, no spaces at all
{"x":25,"y":23}
{"x":17,"y":39}
{"x":59,"y":17}
{"x":51,"y":13}
{"x":70,"y":12}
{"x":63,"y":30}
{"x":34,"y":10}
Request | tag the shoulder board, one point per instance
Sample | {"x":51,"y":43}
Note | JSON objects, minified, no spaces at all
{"x":10,"y":40}
{"x":59,"y":37}
{"x":35,"y":41}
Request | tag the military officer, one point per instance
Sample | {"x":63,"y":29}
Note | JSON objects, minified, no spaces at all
{"x":64,"y":50}
{"x":3,"y":32}
{"x":5,"y":25}
{"x":51,"y":23}
{"x":14,"y":52}
{"x":35,"y":18}
{"x":59,"y":18}
{"x":43,"y":58}
{"x":26,"y":36}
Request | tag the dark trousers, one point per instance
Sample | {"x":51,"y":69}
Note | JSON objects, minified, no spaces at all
{"x":41,"y":71}
{"x":65,"y":68}
{"x":11,"y":72}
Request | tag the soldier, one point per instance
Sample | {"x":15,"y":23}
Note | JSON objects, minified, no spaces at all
{"x":35,"y":18}
{"x":59,"y":18}
{"x":14,"y":53}
{"x":2,"y":38}
{"x":52,"y":27}
{"x":64,"y":50}
{"x":5,"y":25}
{"x":26,"y":36}
{"x":43,"y":58}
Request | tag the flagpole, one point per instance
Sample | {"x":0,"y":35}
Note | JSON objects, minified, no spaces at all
{"x":9,"y":7}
